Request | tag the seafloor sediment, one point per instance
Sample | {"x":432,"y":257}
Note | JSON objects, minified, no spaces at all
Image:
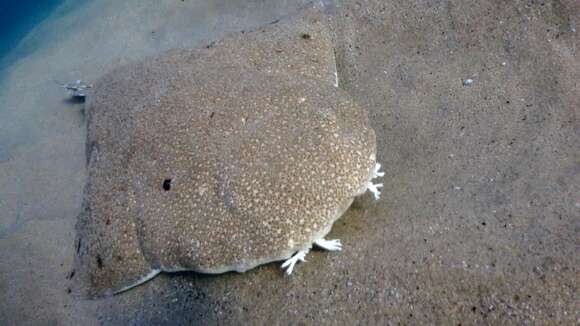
{"x":477,"y":224}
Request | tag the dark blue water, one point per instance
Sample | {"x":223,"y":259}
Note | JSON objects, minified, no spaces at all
{"x":18,"y":17}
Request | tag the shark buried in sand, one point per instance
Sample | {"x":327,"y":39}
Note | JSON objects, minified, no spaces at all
{"x":220,"y":159}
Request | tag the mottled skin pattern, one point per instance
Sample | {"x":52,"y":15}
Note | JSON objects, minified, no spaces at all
{"x":263,"y":177}
{"x":262,"y":155}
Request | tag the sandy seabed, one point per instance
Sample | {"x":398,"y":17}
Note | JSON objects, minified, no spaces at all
{"x":479,"y":220}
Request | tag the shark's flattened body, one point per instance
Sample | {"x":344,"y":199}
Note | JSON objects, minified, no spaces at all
{"x":214,"y":161}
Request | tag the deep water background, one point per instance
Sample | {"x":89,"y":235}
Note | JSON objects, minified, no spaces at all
{"x":17,"y":18}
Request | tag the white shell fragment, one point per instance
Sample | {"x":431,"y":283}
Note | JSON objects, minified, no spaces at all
{"x":76,"y":89}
